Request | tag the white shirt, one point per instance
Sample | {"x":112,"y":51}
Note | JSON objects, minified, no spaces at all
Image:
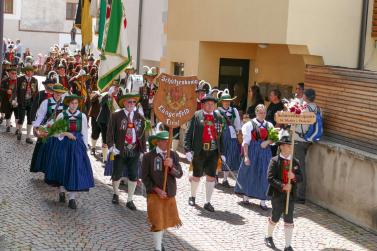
{"x":84,"y":124}
{"x":286,"y":158}
{"x":159,"y":151}
{"x":248,"y":128}
{"x":133,"y":129}
{"x":42,"y":112}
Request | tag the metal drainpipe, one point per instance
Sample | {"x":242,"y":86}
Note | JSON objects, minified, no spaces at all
{"x":363,"y":34}
{"x":139,"y":35}
{"x":1,"y":35}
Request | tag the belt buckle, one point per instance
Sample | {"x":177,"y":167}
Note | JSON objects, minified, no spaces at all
{"x":130,"y":147}
{"x":206,"y":146}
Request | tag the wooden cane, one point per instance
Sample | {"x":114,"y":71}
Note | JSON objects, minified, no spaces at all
{"x":293,"y":128}
{"x":168,"y":156}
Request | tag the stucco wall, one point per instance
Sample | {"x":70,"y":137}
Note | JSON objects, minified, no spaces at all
{"x":343,"y":180}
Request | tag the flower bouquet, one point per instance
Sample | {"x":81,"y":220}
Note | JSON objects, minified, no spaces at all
{"x":273,"y":134}
{"x":296,"y":107}
{"x":50,"y":130}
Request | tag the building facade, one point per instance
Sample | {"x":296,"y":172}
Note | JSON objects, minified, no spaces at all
{"x":236,"y":43}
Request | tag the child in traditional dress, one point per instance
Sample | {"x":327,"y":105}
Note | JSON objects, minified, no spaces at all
{"x":278,"y":175}
{"x":161,"y":205}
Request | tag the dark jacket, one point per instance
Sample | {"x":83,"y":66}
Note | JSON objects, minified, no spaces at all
{"x":21,"y":89}
{"x":153,"y":177}
{"x":94,"y":106}
{"x":275,"y":177}
{"x":194,"y":133}
{"x":6,"y":105}
{"x":116,"y":131}
{"x":104,"y":112}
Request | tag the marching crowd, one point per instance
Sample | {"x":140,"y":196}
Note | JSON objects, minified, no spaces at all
{"x":217,"y":139}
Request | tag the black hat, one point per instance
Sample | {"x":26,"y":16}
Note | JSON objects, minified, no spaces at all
{"x":284,"y":138}
{"x":310,"y":94}
{"x":209,"y":97}
{"x":203,"y":86}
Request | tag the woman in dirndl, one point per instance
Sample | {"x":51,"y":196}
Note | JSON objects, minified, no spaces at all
{"x":72,"y":169}
{"x":230,"y":141}
{"x":252,"y":177}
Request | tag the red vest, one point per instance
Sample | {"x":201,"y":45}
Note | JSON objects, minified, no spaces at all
{"x":209,"y":132}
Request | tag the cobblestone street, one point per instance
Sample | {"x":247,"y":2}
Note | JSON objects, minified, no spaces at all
{"x":32,"y":219}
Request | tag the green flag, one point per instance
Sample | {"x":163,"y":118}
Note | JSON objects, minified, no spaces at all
{"x":114,"y":46}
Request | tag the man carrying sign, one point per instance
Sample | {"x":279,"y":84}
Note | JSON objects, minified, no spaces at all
{"x":161,"y":205}
{"x":203,"y":147}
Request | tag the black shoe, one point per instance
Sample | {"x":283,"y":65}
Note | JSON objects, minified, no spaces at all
{"x":192,"y":201}
{"x":209,"y":207}
{"x":131,"y":205}
{"x":300,"y":201}
{"x":263,"y":207}
{"x":62,"y":197}
{"x":288,"y":249}
{"x":1,"y":120}
{"x":115,"y":199}
{"x":93,"y":151}
{"x":8,"y":129}
{"x":18,"y":135}
{"x":226,"y":184}
{"x":162,"y":247}
{"x":29,"y":141}
{"x":72,"y":204}
{"x":269,"y":242}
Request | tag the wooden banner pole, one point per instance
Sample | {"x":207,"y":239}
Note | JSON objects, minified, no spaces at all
{"x":168,"y":156}
{"x":293,"y":129}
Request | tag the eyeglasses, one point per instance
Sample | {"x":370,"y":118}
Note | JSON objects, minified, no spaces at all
{"x":131,"y":102}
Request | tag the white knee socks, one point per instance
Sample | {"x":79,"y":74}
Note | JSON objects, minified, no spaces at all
{"x":62,"y":189}
{"x":131,"y":189}
{"x":157,"y":240}
{"x":116,"y":187}
{"x":104,"y":153}
{"x":288,"y":232}
{"x":210,"y":186}
{"x":226,"y":174}
{"x":28,"y":130}
{"x":94,"y":143}
{"x":194,"y":188}
{"x":7,"y":122}
{"x":71,"y":195}
{"x":270,"y":228}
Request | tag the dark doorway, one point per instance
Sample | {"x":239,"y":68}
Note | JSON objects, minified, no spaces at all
{"x":234,"y":75}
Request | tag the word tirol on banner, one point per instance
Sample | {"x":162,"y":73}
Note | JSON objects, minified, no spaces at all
{"x":175,"y":100}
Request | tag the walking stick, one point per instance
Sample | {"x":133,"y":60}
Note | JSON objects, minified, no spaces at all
{"x":168,"y":156}
{"x":293,"y":129}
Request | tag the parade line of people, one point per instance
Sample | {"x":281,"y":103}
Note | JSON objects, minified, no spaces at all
{"x":253,"y":149}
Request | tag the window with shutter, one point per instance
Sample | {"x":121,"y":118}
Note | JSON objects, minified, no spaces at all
{"x":374,"y":20}
{"x":8,"y":6}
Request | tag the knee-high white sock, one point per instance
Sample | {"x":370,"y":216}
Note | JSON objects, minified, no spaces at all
{"x":7,"y":122}
{"x":288,"y":232}
{"x":28,"y":130}
{"x":104,"y":153}
{"x":131,"y":189}
{"x":116,"y":187}
{"x":270,"y":227}
{"x":62,"y":189}
{"x":226,"y":174}
{"x":157,"y":240}
{"x":263,"y":202}
{"x":194,"y":188}
{"x":94,"y":142}
{"x":245,"y":198}
{"x":210,"y":186}
{"x":71,"y":195}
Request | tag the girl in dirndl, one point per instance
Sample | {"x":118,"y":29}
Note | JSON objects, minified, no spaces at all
{"x":252,"y":177}
{"x":70,"y":166}
{"x":230,"y":141}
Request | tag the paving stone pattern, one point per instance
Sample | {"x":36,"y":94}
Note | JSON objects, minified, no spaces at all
{"x":32,"y":219}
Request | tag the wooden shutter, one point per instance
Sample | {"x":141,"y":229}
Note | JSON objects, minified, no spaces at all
{"x":348,"y":99}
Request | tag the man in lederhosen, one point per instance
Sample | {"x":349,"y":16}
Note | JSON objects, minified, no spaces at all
{"x":8,"y":89}
{"x":27,"y":90}
{"x":148,"y":92}
{"x":203,"y":147}
{"x":126,"y":141}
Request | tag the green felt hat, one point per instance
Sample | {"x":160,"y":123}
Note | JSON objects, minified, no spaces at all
{"x":225,"y":96}
{"x":128,"y":96}
{"x":28,"y":67}
{"x":68,"y":98}
{"x":59,"y":88}
{"x":163,"y":135}
{"x":150,"y":71}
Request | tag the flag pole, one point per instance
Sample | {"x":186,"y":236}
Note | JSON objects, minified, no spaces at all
{"x":293,"y":129}
{"x":168,"y":156}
